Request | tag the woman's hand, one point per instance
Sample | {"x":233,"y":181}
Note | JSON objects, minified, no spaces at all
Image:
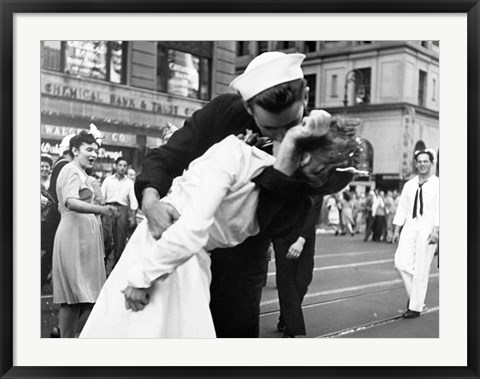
{"x":295,"y":250}
{"x":109,"y":210}
{"x":136,"y":299}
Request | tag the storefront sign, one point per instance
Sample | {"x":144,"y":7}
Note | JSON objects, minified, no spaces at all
{"x":58,"y":132}
{"x":103,"y":152}
{"x":99,"y":93}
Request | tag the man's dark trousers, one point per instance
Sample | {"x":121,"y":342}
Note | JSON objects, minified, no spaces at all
{"x":238,"y":276}
{"x":293,"y":276}
{"x":118,"y":231}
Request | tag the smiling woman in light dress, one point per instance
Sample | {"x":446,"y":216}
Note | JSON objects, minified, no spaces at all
{"x":160,"y":289}
{"x":78,"y":271}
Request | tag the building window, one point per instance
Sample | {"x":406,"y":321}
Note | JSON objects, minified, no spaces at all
{"x":182,"y":73}
{"x":363,"y":85}
{"x":51,"y":53}
{"x":262,"y":46}
{"x":334,"y":86}
{"x":312,"y":85}
{"x":424,"y":43}
{"x":243,"y":48}
{"x":285,"y":45}
{"x":310,"y":46}
{"x":102,"y":60}
{"x":422,"y":90}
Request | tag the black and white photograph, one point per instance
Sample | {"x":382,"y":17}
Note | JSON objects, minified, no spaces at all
{"x":240,"y":189}
{"x":235,"y":194}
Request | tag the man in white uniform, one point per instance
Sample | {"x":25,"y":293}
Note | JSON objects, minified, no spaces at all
{"x":418,"y":213}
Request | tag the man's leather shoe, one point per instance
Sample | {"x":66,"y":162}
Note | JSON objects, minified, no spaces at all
{"x":55,"y":333}
{"x":411,"y":314}
{"x":285,"y":335}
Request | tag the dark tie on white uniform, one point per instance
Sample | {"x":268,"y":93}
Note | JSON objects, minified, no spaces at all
{"x":417,"y":195}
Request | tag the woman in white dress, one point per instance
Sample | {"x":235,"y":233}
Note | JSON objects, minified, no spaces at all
{"x":160,"y":288}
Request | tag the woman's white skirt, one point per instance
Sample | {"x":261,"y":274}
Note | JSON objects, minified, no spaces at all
{"x":178,"y":307}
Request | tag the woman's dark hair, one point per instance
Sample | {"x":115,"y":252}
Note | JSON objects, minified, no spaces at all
{"x":279,"y":97}
{"x":346,"y":196}
{"x":341,"y":147}
{"x":81,"y":138}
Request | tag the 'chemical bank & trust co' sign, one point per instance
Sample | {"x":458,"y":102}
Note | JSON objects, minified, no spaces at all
{"x":99,"y":93}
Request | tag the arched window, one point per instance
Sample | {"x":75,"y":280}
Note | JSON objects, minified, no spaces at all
{"x":367,"y":163}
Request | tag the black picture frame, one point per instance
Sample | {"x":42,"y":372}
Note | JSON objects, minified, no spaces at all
{"x":10,"y":8}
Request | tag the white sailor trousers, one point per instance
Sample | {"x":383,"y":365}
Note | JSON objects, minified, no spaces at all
{"x":413,"y":259}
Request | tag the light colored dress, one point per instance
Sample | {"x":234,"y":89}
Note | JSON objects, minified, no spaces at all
{"x":347,"y":212}
{"x":333,"y":212}
{"x":78,"y":271}
{"x":217,"y":202}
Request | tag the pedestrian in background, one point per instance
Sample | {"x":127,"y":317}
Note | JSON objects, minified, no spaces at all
{"x":389,"y":213}
{"x":118,"y":191}
{"x":395,"y":200}
{"x":52,"y":217}
{"x":378,"y":210}
{"x":131,"y":174}
{"x":418,"y":214}
{"x":369,"y":216}
{"x":333,"y":214}
{"x":347,"y":214}
{"x":46,"y":164}
{"x":294,"y":263}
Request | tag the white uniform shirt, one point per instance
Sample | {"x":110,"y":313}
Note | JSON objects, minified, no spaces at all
{"x":431,"y":202}
{"x":119,"y":191}
{"x":217,"y":201}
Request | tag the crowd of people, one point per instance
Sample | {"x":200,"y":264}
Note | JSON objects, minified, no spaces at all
{"x":349,"y":213}
{"x":247,"y":170}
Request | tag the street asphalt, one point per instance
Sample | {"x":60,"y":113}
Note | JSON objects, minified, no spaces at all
{"x":355,"y":293}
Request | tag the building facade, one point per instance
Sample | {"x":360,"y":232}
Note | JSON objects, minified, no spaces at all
{"x":392,"y":86}
{"x":133,"y":91}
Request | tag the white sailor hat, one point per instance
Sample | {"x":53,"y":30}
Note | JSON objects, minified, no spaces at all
{"x":65,"y":144}
{"x":266,"y":71}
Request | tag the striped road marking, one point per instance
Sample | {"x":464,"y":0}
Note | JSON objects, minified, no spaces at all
{"x":347,"y":289}
{"x":335,"y":267}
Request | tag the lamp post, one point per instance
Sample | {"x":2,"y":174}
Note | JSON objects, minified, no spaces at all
{"x":352,"y":77}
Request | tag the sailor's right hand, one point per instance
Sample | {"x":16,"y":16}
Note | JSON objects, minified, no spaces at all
{"x":159,"y":215}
